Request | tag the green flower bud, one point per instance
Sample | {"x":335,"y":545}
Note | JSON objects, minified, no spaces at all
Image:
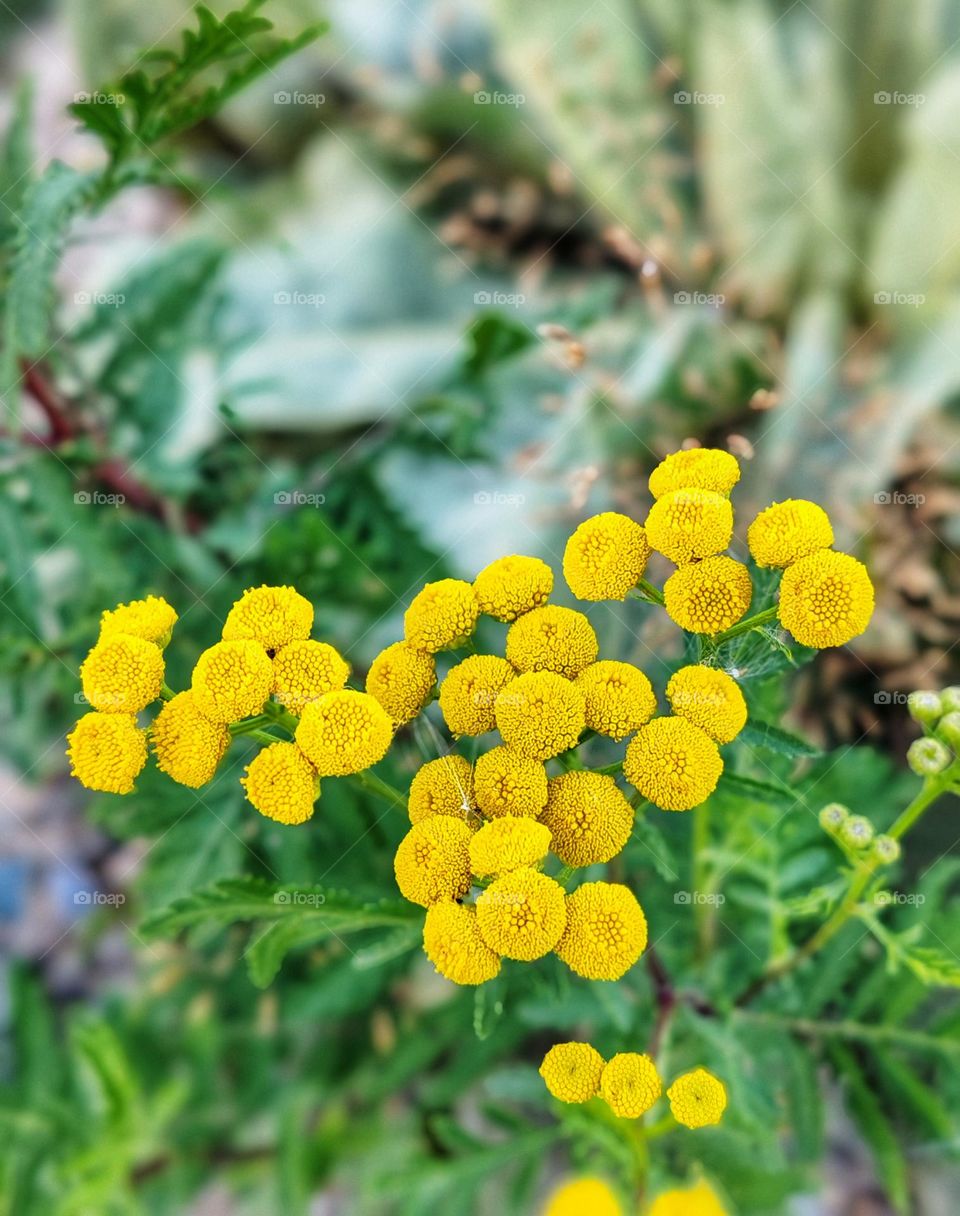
{"x":927,"y":757}
{"x":857,"y":832}
{"x":833,"y":816}
{"x":925,"y":707}
{"x":950,"y":699}
{"x":948,"y":729}
{"x":886,"y":849}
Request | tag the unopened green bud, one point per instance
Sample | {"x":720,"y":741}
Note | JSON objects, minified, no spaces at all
{"x":925,"y":707}
{"x":886,"y":849}
{"x":927,"y":757}
{"x":948,"y":729}
{"x":857,"y":832}
{"x":833,"y":816}
{"x":950,"y":699}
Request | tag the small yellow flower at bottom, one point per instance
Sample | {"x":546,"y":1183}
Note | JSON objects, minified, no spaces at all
{"x":270,"y":616}
{"x":443,"y":614}
{"x":674,"y":764}
{"x":697,"y":1099}
{"x":281,"y":783}
{"x":107,"y":752}
{"x":826,"y":599}
{"x":151,"y":618}
{"x":619,"y":697}
{"x":708,"y":596}
{"x":571,"y":1071}
{"x":442,"y":787}
{"x":304,"y":670}
{"x":469,"y":691}
{"x":630,"y":1084}
{"x":232,"y":680}
{"x":187,"y":746}
{"x":402,"y":679}
{"x":122,"y":674}
{"x":605,"y":557}
{"x":606,"y":931}
{"x":522,"y":915}
{"x":432,"y":863}
{"x":787,"y":531}
{"x":697,"y":1200}
{"x":583,"y":1197}
{"x":540,"y":714}
{"x":506,"y":783}
{"x":710,"y":699}
{"x":344,"y":732}
{"x":452,"y":942}
{"x":508,"y":843}
{"x":513,"y":585}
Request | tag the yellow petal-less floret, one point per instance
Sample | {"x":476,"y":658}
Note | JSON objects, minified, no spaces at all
{"x":584,"y":1197}
{"x":107,"y":752}
{"x":697,"y":1099}
{"x":826,"y":599}
{"x":552,"y":639}
{"x":630,"y":1084}
{"x":619,"y":697}
{"x":151,"y":618}
{"x":282,"y":783}
{"x":508,"y":843}
{"x":232,"y":680}
{"x":588,"y":817}
{"x":686,"y":525}
{"x":344,"y":732}
{"x":695,"y":468}
{"x":540,"y":714}
{"x":432,"y":862}
{"x":571,"y":1071}
{"x":469,"y":691}
{"x":697,"y":1200}
{"x":272,"y":616}
{"x":522,"y":914}
{"x":122,"y":674}
{"x":513,"y":585}
{"x":606,"y":931}
{"x":708,"y":596}
{"x":605,"y":557}
{"x":674,"y":764}
{"x":304,"y":670}
{"x":452,"y":942}
{"x":506,"y":783}
{"x":402,"y":679}
{"x":442,"y":615}
{"x":787,"y":531}
{"x":187,"y":745}
{"x":442,"y":787}
{"x":710,"y":699}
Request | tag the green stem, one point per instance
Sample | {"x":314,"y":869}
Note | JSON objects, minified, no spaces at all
{"x":745,"y":626}
{"x":275,"y":712}
{"x":654,"y":594}
{"x":609,"y":770}
{"x":700,"y":843}
{"x":166,"y":692}
{"x":383,"y":789}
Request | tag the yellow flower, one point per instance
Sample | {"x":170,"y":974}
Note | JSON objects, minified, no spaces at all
{"x":433,"y":861}
{"x":522,"y":914}
{"x":710,"y":699}
{"x":695,"y":468}
{"x":281,"y":783}
{"x":151,"y":618}
{"x":402,"y":679}
{"x":697,"y":1099}
{"x":571,"y":1071}
{"x":304,"y":670}
{"x":698,"y":1200}
{"x":344,"y":732}
{"x":511,"y":586}
{"x":272,"y":616}
{"x":187,"y":745}
{"x":584,"y":1197}
{"x":630,"y":1084}
{"x":708,"y":596}
{"x":588,"y":817}
{"x":442,"y":787}
{"x":232,"y":680}
{"x":506,"y":783}
{"x":552,"y":639}
{"x":674,"y":764}
{"x":606,"y":931}
{"x":605,"y":557}
{"x":508,"y":843}
{"x":540,"y":714}
{"x":688,"y":524}
{"x":107,"y":752}
{"x":442,"y":615}
{"x":122,"y":674}
{"x":826,"y":599}
{"x":452,"y":942}
{"x":787,"y":531}
{"x":468,"y":693}
{"x":619,"y":697}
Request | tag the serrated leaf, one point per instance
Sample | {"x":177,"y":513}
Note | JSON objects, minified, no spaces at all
{"x":933,"y":966}
{"x":884,"y":1142}
{"x":775,"y":739}
{"x":16,"y":161}
{"x":760,"y":791}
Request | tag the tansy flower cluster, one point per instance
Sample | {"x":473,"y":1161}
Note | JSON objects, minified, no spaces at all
{"x":590,"y":1196}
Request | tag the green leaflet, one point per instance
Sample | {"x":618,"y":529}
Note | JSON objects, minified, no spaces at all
{"x":775,"y":739}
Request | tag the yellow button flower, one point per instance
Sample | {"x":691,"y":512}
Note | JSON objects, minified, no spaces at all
{"x":552,"y":639}
{"x":344,"y":732}
{"x":630,"y":1084}
{"x":540,"y":714}
{"x":272,"y":616}
{"x":281,"y":783}
{"x":442,"y":615}
{"x":606,"y":931}
{"x":107,"y":752}
{"x":122,"y":674}
{"x":508,"y":843}
{"x":571,"y":1071}
{"x":442,"y":787}
{"x":619,"y":697}
{"x":826,"y":599}
{"x":469,"y":692}
{"x":588,"y":817}
{"x":688,"y":524}
{"x":605,"y":557}
{"x":674,"y":764}
{"x":402,"y":679}
{"x":584,"y":1197}
{"x":232,"y":680}
{"x":151,"y":618}
{"x":695,"y":468}
{"x":787,"y":531}
{"x":697,"y":1099}
{"x":506,"y":783}
{"x":188,"y":746}
{"x":522,"y":915}
{"x":304,"y":670}
{"x":708,"y":596}
{"x":511,"y":586}
{"x":697,"y":1200}
{"x":452,"y":942}
{"x":710,"y":699}
{"x":433,"y":861}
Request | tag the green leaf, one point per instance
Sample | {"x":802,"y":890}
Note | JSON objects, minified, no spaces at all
{"x":16,"y":162}
{"x":764,"y":792}
{"x":775,"y":739}
{"x":493,"y":338}
{"x":884,"y":1142}
{"x":932,"y":966}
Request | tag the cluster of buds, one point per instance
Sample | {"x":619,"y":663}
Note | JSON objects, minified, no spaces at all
{"x":939,"y":715}
{"x":855,"y":835}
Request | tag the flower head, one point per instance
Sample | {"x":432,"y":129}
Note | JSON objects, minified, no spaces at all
{"x":708,"y":596}
{"x":506,"y":783}
{"x":710,"y":699}
{"x":432,"y":862}
{"x":605,"y":557}
{"x":232,"y":680}
{"x":272,"y":616}
{"x":787,"y":531}
{"x":630,"y":1084}
{"x":571,"y":1071}
{"x":552,"y":639}
{"x":304,"y":670}
{"x":697,"y":1099}
{"x":826,"y":599}
{"x":344,"y":732}
{"x":188,"y":746}
{"x":151,"y":618}
{"x":511,"y":586}
{"x":522,"y":914}
{"x":695,"y":468}
{"x":442,"y":787}
{"x":107,"y":752}
{"x":619,"y":697}
{"x":674,"y":764}
{"x":282,"y":783}
{"x":588,"y":817}
{"x":540,"y":714}
{"x":697,"y":1200}
{"x":688,"y":524}
{"x":606,"y":931}
{"x":442,"y":615}
{"x":401,"y":679}
{"x":452,"y":942}
{"x":122,"y":674}
{"x":584,"y":1197}
{"x":469,"y":691}
{"x":508,"y":843}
